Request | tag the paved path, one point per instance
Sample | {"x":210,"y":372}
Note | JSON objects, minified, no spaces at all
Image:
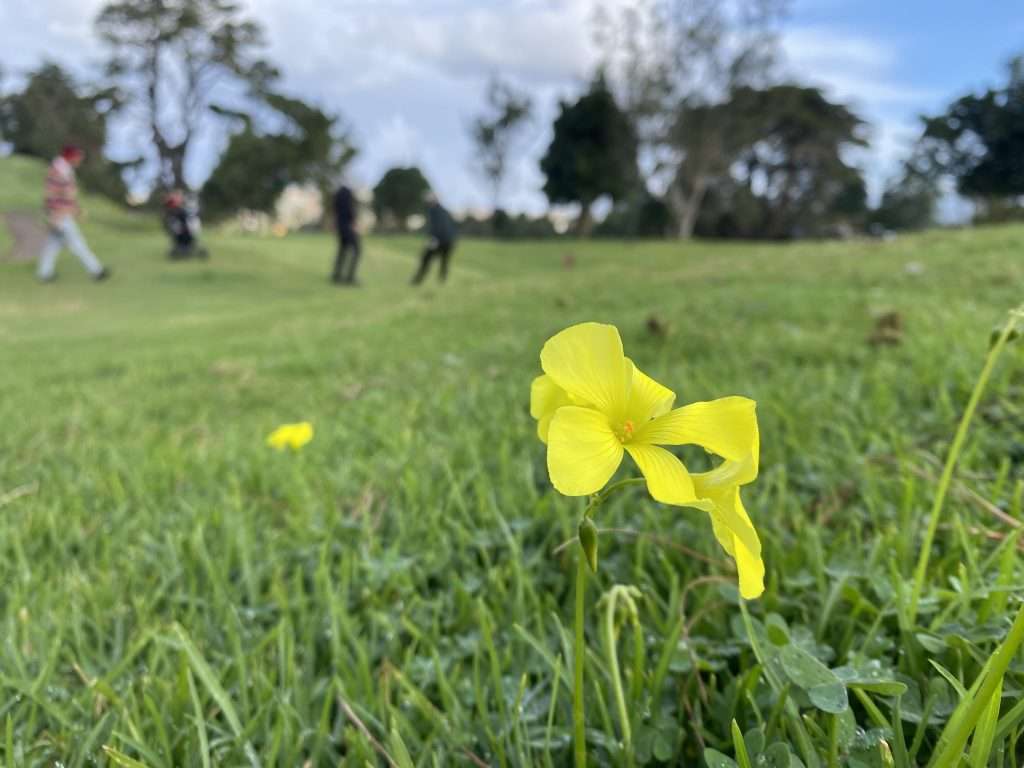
{"x":27,"y":232}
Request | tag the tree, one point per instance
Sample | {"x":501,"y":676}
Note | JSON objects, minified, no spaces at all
{"x":646,"y":216}
{"x":796,"y":166}
{"x":398,"y":195}
{"x":171,"y":55}
{"x":256,"y":167}
{"x":494,"y":134}
{"x":979,"y":140}
{"x":708,"y":139}
{"x":908,"y":201}
{"x":592,"y":153}
{"x":51,"y":111}
{"x":788,"y":177}
{"x":677,"y":62}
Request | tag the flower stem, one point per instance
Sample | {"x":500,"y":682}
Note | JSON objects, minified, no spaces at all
{"x":579,"y":656}
{"x":951,"y":460}
{"x":614,"y":672}
{"x":600,"y":498}
{"x":580,"y":650}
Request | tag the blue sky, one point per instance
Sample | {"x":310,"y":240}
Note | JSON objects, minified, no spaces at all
{"x":410,"y":74}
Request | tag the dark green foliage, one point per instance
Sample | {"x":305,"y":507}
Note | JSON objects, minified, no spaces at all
{"x":788,"y":177}
{"x":908,"y":202}
{"x":592,"y":153}
{"x":399,"y":194}
{"x":169,"y":55}
{"x":642,"y":215}
{"x":505,"y":226}
{"x":676,"y":63}
{"x":979,"y":139}
{"x":256,"y":167}
{"x":52,"y":111}
{"x":252,"y":174}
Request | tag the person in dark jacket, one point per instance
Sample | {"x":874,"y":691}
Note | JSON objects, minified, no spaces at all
{"x":181,"y":224}
{"x":442,"y":232}
{"x":349,"y":247}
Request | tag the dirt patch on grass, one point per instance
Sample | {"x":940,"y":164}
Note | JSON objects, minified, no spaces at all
{"x":27,"y":233}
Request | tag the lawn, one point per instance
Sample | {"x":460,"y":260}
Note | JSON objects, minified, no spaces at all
{"x":175,"y":593}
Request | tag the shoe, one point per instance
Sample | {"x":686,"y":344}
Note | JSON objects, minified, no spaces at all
{"x":48,"y":279}
{"x":103,"y":274}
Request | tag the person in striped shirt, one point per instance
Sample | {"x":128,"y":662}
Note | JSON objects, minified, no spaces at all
{"x":61,"y":210}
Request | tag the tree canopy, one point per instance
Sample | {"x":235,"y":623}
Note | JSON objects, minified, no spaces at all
{"x":169,"y":55}
{"x":787,"y":173}
{"x":592,"y":152}
{"x":51,"y":111}
{"x":398,"y":195}
{"x":979,"y":139}
{"x":256,"y":167}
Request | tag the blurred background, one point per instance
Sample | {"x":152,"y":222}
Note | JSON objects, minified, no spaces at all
{"x":657,"y":118}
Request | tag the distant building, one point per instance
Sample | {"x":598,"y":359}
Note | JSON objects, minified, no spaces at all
{"x":299,"y":206}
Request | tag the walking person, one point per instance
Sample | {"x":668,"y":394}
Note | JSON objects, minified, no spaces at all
{"x":442,"y":232}
{"x":61,"y":210}
{"x":349,"y":248}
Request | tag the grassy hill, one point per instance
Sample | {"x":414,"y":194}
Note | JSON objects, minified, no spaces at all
{"x":179,"y":594}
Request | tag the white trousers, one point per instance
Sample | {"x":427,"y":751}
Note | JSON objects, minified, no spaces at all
{"x":66,"y":233}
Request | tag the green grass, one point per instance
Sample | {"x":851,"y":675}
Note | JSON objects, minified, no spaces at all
{"x":177,"y":594}
{"x":6,"y":241}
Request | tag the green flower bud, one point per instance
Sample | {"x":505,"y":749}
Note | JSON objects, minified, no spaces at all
{"x":886,"y":754}
{"x":588,"y":542}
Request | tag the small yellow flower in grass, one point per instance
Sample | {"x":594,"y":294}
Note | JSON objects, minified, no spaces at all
{"x":593,"y":405}
{"x":292,"y":436}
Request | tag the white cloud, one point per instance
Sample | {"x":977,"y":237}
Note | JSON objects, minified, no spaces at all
{"x":60,"y":30}
{"x":849,"y":66}
{"x":409,"y":74}
{"x":862,"y":73}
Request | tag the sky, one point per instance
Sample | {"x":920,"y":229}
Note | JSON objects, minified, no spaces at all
{"x":409,"y":75}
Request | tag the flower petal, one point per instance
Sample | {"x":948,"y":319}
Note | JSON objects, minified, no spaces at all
{"x":546,"y":397}
{"x":667,"y":478}
{"x":727,"y":426}
{"x":647,"y":398}
{"x":291,"y":435}
{"x":583,"y":452}
{"x":734,"y":531}
{"x":586,"y":361}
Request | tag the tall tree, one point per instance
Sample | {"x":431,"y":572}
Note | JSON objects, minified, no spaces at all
{"x":312,"y":147}
{"x":592,"y":152}
{"x":677,"y":62}
{"x":494,"y":133}
{"x":790,"y":177}
{"x":51,"y":111}
{"x":979,"y":140}
{"x":171,"y":55}
{"x":707,"y":138}
{"x":398,"y":195}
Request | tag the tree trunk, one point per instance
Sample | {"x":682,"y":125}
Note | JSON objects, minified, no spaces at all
{"x":687,"y":206}
{"x":585,"y":222}
{"x":177,"y":160}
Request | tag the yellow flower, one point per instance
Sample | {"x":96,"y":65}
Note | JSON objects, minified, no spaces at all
{"x":292,"y":436}
{"x":593,"y":405}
